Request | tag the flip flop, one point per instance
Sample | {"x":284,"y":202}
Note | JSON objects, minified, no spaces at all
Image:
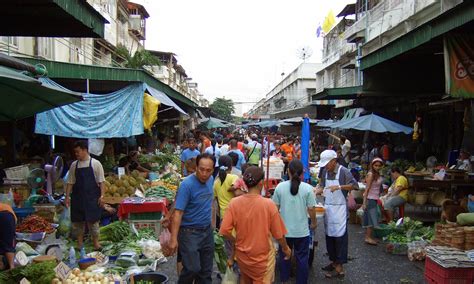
{"x":337,"y":275}
{"x":328,"y":267}
{"x":372,"y":243}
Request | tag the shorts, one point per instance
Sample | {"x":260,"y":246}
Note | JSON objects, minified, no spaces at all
{"x":78,"y":228}
{"x":370,"y":214}
{"x":393,"y":202}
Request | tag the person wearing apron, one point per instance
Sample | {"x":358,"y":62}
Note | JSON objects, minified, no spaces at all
{"x":86,"y":197}
{"x":335,"y":191}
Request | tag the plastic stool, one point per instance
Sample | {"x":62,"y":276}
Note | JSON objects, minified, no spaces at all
{"x":401,"y":211}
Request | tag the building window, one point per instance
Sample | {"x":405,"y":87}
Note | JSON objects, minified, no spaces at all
{"x":9,"y":40}
{"x":46,"y":47}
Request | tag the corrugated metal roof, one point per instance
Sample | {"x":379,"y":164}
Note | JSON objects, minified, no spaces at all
{"x":52,"y":18}
{"x":79,"y":71}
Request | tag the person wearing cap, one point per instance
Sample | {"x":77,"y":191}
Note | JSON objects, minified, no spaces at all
{"x":255,"y":220}
{"x":371,"y":195}
{"x":336,"y":182}
{"x":254,"y":150}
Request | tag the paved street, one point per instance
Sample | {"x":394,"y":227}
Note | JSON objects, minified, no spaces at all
{"x":367,"y":264}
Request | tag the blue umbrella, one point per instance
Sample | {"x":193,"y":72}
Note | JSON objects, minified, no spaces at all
{"x":372,"y":122}
{"x":305,"y":148}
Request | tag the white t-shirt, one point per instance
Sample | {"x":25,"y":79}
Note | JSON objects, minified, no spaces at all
{"x":224,"y":149}
{"x":96,"y":167}
{"x":346,"y":147}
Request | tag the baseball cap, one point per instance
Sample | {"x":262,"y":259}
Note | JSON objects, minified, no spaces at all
{"x":326,"y":156}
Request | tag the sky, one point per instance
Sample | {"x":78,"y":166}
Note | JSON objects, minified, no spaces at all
{"x":237,"y":49}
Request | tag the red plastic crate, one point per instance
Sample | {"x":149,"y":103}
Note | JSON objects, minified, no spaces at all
{"x":435,"y":273}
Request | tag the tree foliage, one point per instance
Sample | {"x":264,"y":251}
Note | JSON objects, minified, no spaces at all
{"x":223,"y":108}
{"x":139,"y":59}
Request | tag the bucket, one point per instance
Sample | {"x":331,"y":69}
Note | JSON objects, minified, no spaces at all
{"x":154,"y":277}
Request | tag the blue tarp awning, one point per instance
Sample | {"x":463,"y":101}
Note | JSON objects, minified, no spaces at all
{"x":97,"y":116}
{"x":372,"y":122}
{"x":164,"y":99}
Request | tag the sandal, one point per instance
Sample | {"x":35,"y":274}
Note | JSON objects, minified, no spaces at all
{"x":335,"y":274}
{"x":371,"y":242}
{"x":328,"y":267}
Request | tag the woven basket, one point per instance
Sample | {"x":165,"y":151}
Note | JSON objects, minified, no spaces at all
{"x":421,"y":198}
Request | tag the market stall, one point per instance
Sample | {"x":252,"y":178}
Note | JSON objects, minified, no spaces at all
{"x":130,"y":247}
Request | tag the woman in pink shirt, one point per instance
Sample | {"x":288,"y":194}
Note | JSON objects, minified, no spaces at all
{"x":371,"y":196}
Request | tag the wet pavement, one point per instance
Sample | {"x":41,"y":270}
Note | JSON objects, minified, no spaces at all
{"x":367,"y":264}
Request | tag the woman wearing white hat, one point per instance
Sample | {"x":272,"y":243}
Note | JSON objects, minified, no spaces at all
{"x":336,"y":182}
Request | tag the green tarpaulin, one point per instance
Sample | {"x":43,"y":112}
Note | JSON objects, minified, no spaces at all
{"x":23,"y":96}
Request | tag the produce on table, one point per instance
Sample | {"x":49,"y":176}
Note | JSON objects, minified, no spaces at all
{"x":127,"y":259}
{"x":160,"y":162}
{"x":115,"y":231}
{"x":77,"y":276}
{"x":160,"y":191}
{"x":38,"y":273}
{"x":220,"y":255}
{"x":118,"y":236}
{"x":124,"y":186}
{"x":34,"y":224}
{"x":409,"y":231}
{"x":151,"y":249}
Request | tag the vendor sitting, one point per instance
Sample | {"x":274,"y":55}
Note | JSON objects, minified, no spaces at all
{"x":7,"y":236}
{"x":397,"y":193}
{"x":135,"y":164}
{"x":463,"y":162}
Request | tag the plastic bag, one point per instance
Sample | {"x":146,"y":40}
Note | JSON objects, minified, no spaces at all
{"x":230,"y":277}
{"x":165,"y":237}
{"x":127,"y":259}
{"x":26,"y":248}
{"x":351,"y":201}
{"x":65,"y":222}
{"x":96,"y":146}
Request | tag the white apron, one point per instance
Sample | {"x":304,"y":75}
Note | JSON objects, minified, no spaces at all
{"x":335,"y":217}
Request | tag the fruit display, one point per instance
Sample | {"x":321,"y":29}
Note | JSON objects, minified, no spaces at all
{"x":124,"y":186}
{"x":160,"y":191}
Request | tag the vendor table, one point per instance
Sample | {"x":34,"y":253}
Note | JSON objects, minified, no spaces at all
{"x":127,"y":207}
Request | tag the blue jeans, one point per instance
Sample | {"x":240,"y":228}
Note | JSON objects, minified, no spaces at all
{"x":196,"y":247}
{"x":300,"y":248}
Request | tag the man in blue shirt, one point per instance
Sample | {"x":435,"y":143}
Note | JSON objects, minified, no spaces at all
{"x":191,"y":230}
{"x":234,"y":149}
{"x":187,"y":154}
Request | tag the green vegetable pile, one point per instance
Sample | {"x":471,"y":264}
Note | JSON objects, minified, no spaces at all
{"x":118,"y":237}
{"x":409,"y":231}
{"x":115,"y":231}
{"x":220,"y":255}
{"x":161,"y":160}
{"x":38,"y":273}
{"x":161,"y":191}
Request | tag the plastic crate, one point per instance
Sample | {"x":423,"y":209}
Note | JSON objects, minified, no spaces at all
{"x":155,"y":216}
{"x":382,"y":231}
{"x":435,"y":273}
{"x":17,"y":173}
{"x":152,"y":224}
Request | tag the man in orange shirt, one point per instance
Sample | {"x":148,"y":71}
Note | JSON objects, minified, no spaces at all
{"x":205,"y":142}
{"x":255,"y":220}
{"x":289,"y":149}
